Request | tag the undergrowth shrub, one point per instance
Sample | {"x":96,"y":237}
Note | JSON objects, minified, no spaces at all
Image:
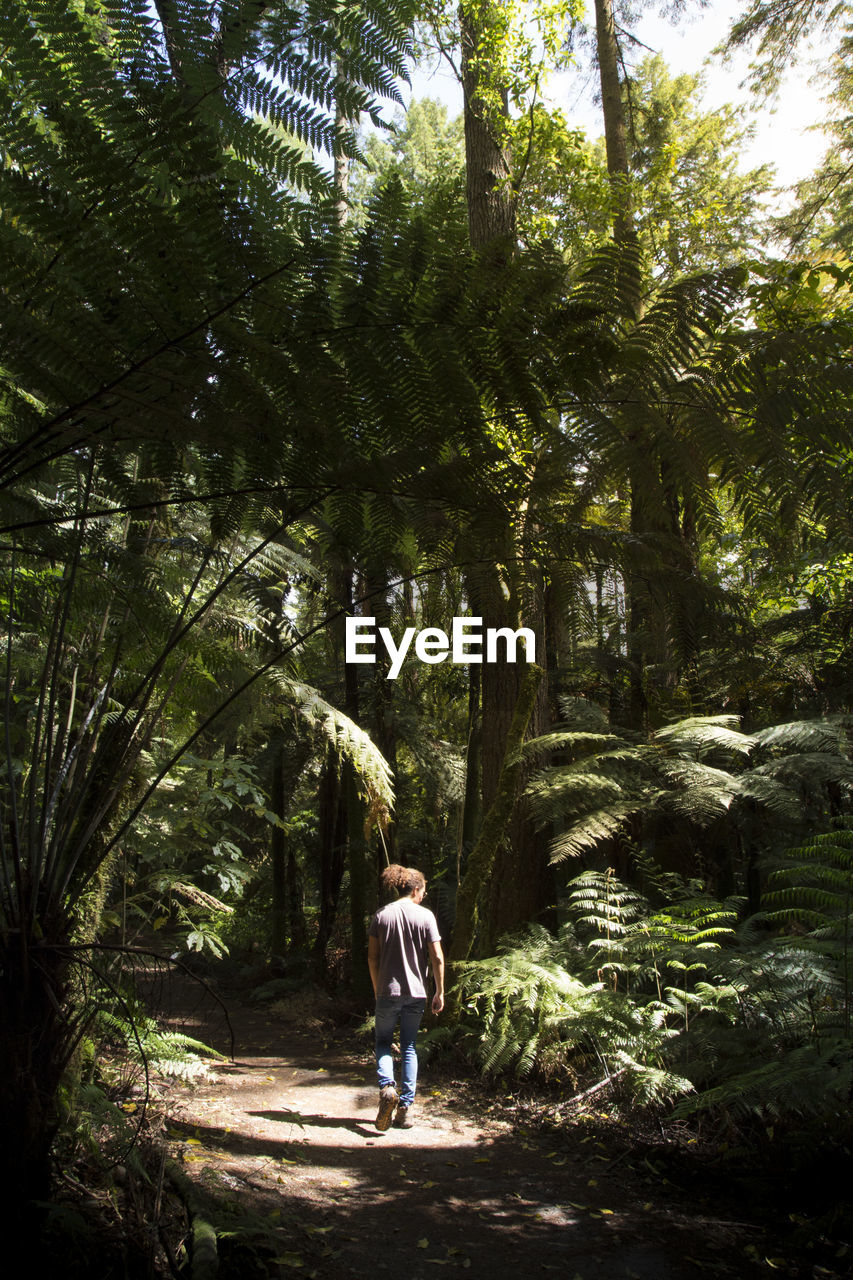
{"x":693,"y":1001}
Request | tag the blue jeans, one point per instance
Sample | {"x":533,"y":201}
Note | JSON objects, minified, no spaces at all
{"x":408,"y":1011}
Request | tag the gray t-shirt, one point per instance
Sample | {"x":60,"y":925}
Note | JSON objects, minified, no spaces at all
{"x":404,"y":929}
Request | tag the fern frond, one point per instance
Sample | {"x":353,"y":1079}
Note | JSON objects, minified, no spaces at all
{"x":344,"y":734}
{"x":700,"y":735}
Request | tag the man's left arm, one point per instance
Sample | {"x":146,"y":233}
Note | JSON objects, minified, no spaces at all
{"x":436,"y":956}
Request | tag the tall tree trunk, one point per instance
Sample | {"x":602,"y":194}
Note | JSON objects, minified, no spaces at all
{"x":615,"y":127}
{"x":624,"y":235}
{"x":341,"y":175}
{"x":352,"y":808}
{"x":487,"y":848}
{"x":518,"y":867}
{"x":522,"y":885}
{"x":35,"y":1037}
{"x":491,"y":204}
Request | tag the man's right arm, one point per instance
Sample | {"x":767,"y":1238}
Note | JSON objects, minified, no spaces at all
{"x":373,"y":961}
{"x":436,"y":956}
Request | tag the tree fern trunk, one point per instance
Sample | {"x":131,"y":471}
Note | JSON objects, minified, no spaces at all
{"x":278,"y":858}
{"x":333,"y":835}
{"x":295,"y":904}
{"x":34,"y":1042}
{"x":472,"y":808}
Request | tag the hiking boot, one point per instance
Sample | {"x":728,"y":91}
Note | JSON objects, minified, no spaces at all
{"x":388,"y":1099}
{"x":402,"y":1119}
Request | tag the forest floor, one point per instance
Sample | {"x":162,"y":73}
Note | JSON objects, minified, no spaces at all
{"x":281,"y":1143}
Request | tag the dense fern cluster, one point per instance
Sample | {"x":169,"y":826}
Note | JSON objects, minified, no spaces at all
{"x":691,"y":794}
{"x":690,"y":998}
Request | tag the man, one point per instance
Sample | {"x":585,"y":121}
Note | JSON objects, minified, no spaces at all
{"x":403,"y":941}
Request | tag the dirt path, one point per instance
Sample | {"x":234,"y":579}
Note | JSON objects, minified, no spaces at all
{"x":287,"y":1132}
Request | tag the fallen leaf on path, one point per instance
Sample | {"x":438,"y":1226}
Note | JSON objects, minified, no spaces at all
{"x":425,"y":1186}
{"x":482,"y":1159}
{"x":318,"y":1231}
{"x":289,"y":1260}
{"x":423,"y":1244}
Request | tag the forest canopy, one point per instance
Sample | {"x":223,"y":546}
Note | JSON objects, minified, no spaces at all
{"x":269,"y":376}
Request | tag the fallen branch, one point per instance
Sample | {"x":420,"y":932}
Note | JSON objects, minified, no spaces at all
{"x":596,"y":1088}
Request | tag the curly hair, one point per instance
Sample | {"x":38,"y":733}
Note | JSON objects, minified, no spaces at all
{"x":416,"y":879}
{"x":399,"y":881}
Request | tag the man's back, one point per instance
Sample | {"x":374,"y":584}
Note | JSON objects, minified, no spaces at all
{"x":404,"y":930}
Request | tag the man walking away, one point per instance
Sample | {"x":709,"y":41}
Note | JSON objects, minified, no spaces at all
{"x":403,"y":942}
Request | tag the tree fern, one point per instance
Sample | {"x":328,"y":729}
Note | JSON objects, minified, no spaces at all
{"x":693,"y":775}
{"x":534,"y":1014}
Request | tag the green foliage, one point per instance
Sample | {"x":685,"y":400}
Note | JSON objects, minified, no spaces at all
{"x":747,"y":1016}
{"x":148,"y":1046}
{"x":424,"y":152}
{"x":226,"y":421}
{"x":533,"y":1013}
{"x":698,"y":782}
{"x":779,"y":28}
{"x":694,"y":210}
{"x":820,"y":223}
{"x":515,"y":48}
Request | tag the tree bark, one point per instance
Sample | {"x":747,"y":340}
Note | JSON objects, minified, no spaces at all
{"x":278,"y":857}
{"x":472,"y":808}
{"x":517,"y":864}
{"x":491,"y":204}
{"x":484,"y":854}
{"x":615,"y":127}
{"x":624,"y":235}
{"x":333,"y":842}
